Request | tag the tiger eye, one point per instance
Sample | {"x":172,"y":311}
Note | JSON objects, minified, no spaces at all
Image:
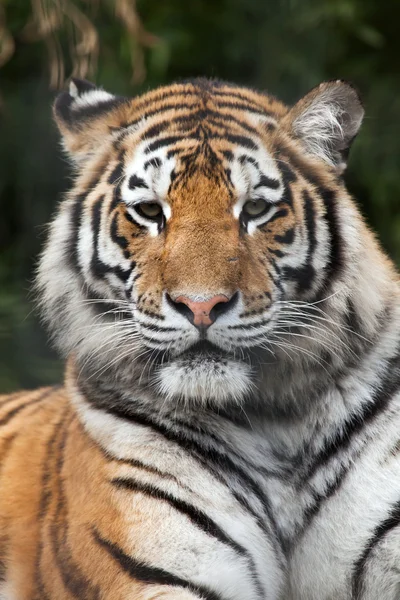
{"x":253,"y":208}
{"x":152,"y":210}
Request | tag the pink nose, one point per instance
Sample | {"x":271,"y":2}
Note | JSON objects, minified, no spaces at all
{"x":201,"y":310}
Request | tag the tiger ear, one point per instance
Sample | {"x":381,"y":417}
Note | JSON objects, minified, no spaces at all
{"x":327,"y":120}
{"x":85,"y":115}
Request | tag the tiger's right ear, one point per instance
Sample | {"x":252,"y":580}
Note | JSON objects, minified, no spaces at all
{"x":85,"y":116}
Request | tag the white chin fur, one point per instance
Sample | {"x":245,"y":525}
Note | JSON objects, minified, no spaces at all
{"x":205,"y":381}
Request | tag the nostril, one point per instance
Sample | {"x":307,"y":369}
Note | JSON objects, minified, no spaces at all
{"x":223,"y":307}
{"x":182,"y":308}
{"x":202,"y":314}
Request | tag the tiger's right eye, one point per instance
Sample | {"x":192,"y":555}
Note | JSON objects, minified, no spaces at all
{"x":149,"y":210}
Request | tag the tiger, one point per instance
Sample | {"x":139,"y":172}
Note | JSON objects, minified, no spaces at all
{"x":229,"y":423}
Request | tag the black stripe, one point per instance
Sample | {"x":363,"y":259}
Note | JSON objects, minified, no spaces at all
{"x":159,"y":110}
{"x":234,"y":92}
{"x":75,"y":221}
{"x":72,"y":253}
{"x":161,"y":344}
{"x":286,"y":238}
{"x":309,"y":216}
{"x":240,"y":140}
{"x":211,"y":456}
{"x":199,"y":518}
{"x":304,"y":276}
{"x":246,"y":325}
{"x":336,"y":260}
{"x":282,"y":212}
{"x":218,"y":119}
{"x":267,"y":182}
{"x":286,"y":156}
{"x":228,"y":154}
{"x":156,"y":129}
{"x":243,"y":106}
{"x":214,"y":461}
{"x":98,"y":267}
{"x":194,"y":514}
{"x":288,"y":177}
{"x":138,"y":464}
{"x":153,"y":162}
{"x":244,"y":159}
{"x":359,"y":570}
{"x":137,"y":182}
{"x":158,"y":329}
{"x":149,"y":313}
{"x":226,"y":119}
{"x":118,"y":239}
{"x":13,"y":412}
{"x":149,"y":574}
{"x":360,"y":419}
{"x":355,"y":425}
{"x":165,"y":141}
{"x":118,"y":171}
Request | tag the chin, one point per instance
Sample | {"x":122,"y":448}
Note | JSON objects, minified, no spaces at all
{"x":202,"y":377}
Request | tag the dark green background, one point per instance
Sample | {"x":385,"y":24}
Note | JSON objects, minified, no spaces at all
{"x":283,"y":46}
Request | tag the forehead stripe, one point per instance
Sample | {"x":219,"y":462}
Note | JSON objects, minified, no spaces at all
{"x":233,"y":93}
{"x":245,"y":107}
{"x":137,"y":182}
{"x":267,"y":182}
{"x":212,"y":117}
{"x":166,"y":141}
{"x":192,"y":119}
{"x":153,"y":162}
{"x":159,"y":110}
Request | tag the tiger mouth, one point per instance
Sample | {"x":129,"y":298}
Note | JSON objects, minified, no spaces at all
{"x":202,"y":351}
{"x":205,"y":350}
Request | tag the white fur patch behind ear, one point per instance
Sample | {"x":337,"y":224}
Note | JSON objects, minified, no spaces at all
{"x":91,"y":98}
{"x":327,"y":120}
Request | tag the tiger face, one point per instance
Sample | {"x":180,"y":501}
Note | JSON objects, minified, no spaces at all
{"x":199,"y":213}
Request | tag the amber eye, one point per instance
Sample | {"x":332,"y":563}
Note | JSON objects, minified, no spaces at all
{"x":149,"y":210}
{"x":254,"y":208}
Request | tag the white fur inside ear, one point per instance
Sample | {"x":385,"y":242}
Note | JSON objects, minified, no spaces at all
{"x":90,"y":98}
{"x":320,"y":128}
{"x":73,"y":90}
{"x":328,"y":124}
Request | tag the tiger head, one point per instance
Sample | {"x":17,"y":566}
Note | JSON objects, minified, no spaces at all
{"x":205,"y":222}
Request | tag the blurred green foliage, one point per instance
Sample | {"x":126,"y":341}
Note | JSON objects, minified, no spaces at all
{"x":283,"y":46}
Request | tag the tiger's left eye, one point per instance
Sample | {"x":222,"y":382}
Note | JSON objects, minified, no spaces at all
{"x":254,"y":208}
{"x":150,"y":210}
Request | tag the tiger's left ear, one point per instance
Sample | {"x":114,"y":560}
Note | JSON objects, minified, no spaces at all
{"x":326,"y":121}
{"x":85,"y":115}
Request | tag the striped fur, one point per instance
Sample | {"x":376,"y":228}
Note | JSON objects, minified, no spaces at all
{"x":254,"y":460}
